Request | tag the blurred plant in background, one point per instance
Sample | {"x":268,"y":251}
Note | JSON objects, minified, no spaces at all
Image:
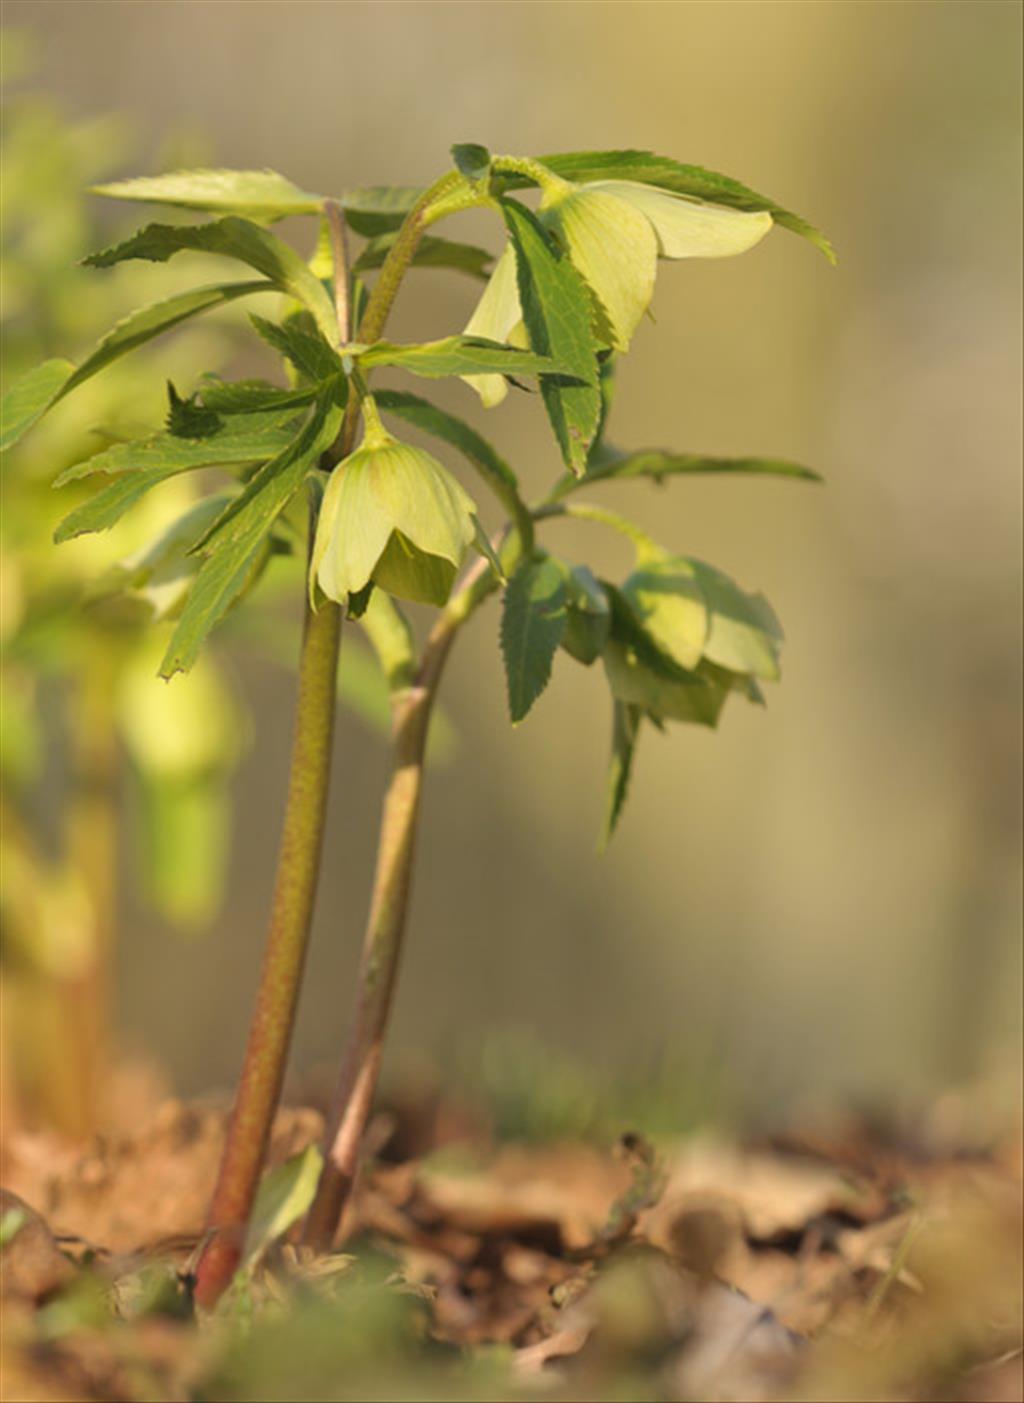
{"x":83,"y":714}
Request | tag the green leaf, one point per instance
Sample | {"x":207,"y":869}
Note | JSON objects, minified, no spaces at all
{"x":232,"y":238}
{"x":138,"y":467}
{"x":625,"y":731}
{"x":471,"y":160}
{"x":29,"y":398}
{"x":589,"y":616}
{"x":532,"y":625}
{"x":430,"y":253}
{"x":488,"y":462}
{"x":283,"y":1197}
{"x":311,"y":356}
{"x":458,"y":355}
{"x":261,"y":195}
{"x":744,"y":634}
{"x":658,"y":463}
{"x":250,"y":396}
{"x":378,"y":209}
{"x":238,"y":541}
{"x":703,"y":184}
{"x":557,"y":311}
{"x":283,"y":473}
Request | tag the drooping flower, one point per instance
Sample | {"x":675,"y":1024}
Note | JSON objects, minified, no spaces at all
{"x":392,"y":514}
{"x":614,"y":231}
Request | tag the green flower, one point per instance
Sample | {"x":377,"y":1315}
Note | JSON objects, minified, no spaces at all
{"x":614,"y":231}
{"x":394,"y":515}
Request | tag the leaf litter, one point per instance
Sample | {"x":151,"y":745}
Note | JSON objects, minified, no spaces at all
{"x":857,"y":1263}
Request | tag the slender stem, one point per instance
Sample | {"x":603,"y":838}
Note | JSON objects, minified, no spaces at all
{"x":294,"y":891}
{"x":385,"y":929}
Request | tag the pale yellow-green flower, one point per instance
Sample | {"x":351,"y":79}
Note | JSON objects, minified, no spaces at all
{"x":614,"y":231}
{"x":394,"y":515}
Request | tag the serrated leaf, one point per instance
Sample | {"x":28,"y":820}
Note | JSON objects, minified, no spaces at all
{"x":447,"y":427}
{"x":532,"y":625}
{"x":246,"y":439}
{"x":283,"y":1197}
{"x":625,"y":731}
{"x":253,"y":396}
{"x":25,"y":402}
{"x":379,"y":208}
{"x":238,"y":542}
{"x":29,"y":398}
{"x":557,"y":309}
{"x":430,"y":253}
{"x":649,"y":169}
{"x":282,"y":473}
{"x":744,"y":634}
{"x":231,"y":237}
{"x":459,"y":355}
{"x":471,"y":160}
{"x":138,"y":467}
{"x":311,"y":356}
{"x":263,"y":195}
{"x":658,"y":463}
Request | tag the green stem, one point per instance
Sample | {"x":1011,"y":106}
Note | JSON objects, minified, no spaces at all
{"x":382,"y":946}
{"x":294,"y":892}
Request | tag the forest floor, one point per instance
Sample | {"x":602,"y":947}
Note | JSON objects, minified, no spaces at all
{"x":843,"y":1262}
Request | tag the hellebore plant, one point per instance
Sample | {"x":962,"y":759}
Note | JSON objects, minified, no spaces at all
{"x":384,"y":521}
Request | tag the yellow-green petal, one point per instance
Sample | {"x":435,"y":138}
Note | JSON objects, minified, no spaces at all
{"x":689,"y":228}
{"x":613,"y":245}
{"x":497,"y":314}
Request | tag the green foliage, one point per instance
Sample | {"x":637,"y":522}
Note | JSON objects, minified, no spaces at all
{"x":659,"y":464}
{"x":233,"y":238}
{"x":675,"y":639}
{"x":284,"y":1196}
{"x":260,"y":195}
{"x":626,"y":720}
{"x":557,"y":312}
{"x":532,"y":626}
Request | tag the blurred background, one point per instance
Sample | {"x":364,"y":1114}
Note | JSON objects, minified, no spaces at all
{"x":820,"y":902}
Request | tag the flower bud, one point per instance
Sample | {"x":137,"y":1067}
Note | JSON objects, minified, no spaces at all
{"x":394,"y":515}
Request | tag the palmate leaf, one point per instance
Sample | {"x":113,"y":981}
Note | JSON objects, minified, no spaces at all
{"x":459,"y":355}
{"x":430,"y":253}
{"x":557,"y":311}
{"x":41,"y":388}
{"x":649,"y":169}
{"x":658,"y":463}
{"x":237,"y":544}
{"x":262,"y":195}
{"x":231,"y":237}
{"x":138,"y":467}
{"x":232,"y":397}
{"x":626,"y":721}
{"x":532,"y":625}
